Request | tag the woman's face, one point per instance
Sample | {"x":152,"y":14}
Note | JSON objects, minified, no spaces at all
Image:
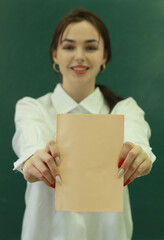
{"x":80,"y":54}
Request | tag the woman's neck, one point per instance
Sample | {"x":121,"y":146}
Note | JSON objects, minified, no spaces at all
{"x":78,"y":92}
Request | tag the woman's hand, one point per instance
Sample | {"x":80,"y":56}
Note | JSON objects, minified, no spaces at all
{"x":42,"y":166}
{"x":133,"y":162}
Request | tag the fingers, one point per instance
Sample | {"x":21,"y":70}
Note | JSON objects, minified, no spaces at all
{"x":133,"y":162}
{"x":142,"y":169}
{"x":53,"y":160}
{"x":134,"y":167}
{"x":133,"y":159}
{"x":125,"y":157}
{"x":31,"y":174}
{"x":53,"y":151}
{"x":47,"y":167}
{"x":126,"y":148}
{"x":43,"y":166}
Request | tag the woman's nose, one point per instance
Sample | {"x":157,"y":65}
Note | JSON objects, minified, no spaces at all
{"x":80,"y":55}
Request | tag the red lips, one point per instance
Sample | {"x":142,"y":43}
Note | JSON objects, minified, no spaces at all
{"x":80,"y":66}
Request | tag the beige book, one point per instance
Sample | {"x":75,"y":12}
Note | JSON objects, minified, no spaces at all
{"x":89,"y":146}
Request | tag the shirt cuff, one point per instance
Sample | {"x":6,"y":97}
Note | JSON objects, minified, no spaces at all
{"x":149,"y":152}
{"x":18,"y":165}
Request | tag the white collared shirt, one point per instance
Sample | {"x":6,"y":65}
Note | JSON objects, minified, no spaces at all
{"x":35,"y":126}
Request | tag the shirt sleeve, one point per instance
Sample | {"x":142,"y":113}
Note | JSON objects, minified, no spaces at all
{"x":137,"y":130}
{"x":32,"y":131}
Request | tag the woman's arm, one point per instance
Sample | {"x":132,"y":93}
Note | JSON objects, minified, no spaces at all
{"x":38,"y":155}
{"x":136,"y":157}
{"x":32,"y":131}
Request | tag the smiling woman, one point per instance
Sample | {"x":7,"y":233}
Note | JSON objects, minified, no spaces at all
{"x":79,"y":56}
{"x":81,"y":48}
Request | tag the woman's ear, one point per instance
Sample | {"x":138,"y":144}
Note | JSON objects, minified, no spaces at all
{"x":105,"y":57}
{"x":54,"y":56}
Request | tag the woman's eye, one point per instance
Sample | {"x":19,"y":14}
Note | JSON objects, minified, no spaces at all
{"x":91,"y":48}
{"x":68,"y":47}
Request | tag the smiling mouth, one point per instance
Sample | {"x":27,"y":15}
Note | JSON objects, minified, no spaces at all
{"x":79,"y":70}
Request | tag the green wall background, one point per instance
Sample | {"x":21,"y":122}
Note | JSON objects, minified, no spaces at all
{"x":137,"y":69}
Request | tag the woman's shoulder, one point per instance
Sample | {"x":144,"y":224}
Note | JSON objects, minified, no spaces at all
{"x":127,"y":105}
{"x":31,"y":105}
{"x":128,"y":102}
{"x":42,"y":100}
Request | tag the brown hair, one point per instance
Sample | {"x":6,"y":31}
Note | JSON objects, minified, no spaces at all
{"x":79,"y":15}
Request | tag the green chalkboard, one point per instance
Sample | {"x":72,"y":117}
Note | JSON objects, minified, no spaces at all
{"x":137,"y":69}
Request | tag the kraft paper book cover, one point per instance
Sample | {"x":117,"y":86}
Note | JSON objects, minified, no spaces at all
{"x":89,"y":146}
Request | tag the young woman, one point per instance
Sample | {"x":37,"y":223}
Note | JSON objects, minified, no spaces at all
{"x":81,"y":49}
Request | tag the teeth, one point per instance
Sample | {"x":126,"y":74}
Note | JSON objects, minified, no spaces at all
{"x":80,"y":69}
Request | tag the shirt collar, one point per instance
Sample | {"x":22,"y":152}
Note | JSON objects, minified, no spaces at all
{"x":63,"y":103}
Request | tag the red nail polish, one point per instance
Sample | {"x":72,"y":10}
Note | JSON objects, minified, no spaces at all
{"x":53,"y":185}
{"x":127,"y":182}
{"x":120,"y":162}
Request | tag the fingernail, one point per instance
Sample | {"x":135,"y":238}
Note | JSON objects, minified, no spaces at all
{"x":120,"y":162}
{"x":58,"y":179}
{"x":121,"y":172}
{"x":127,"y":182}
{"x":53,"y":185}
{"x":57,"y":161}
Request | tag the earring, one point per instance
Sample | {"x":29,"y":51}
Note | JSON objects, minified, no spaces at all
{"x":102,"y":69}
{"x":54,"y":67}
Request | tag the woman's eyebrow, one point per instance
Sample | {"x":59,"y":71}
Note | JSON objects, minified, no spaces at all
{"x":72,"y":41}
